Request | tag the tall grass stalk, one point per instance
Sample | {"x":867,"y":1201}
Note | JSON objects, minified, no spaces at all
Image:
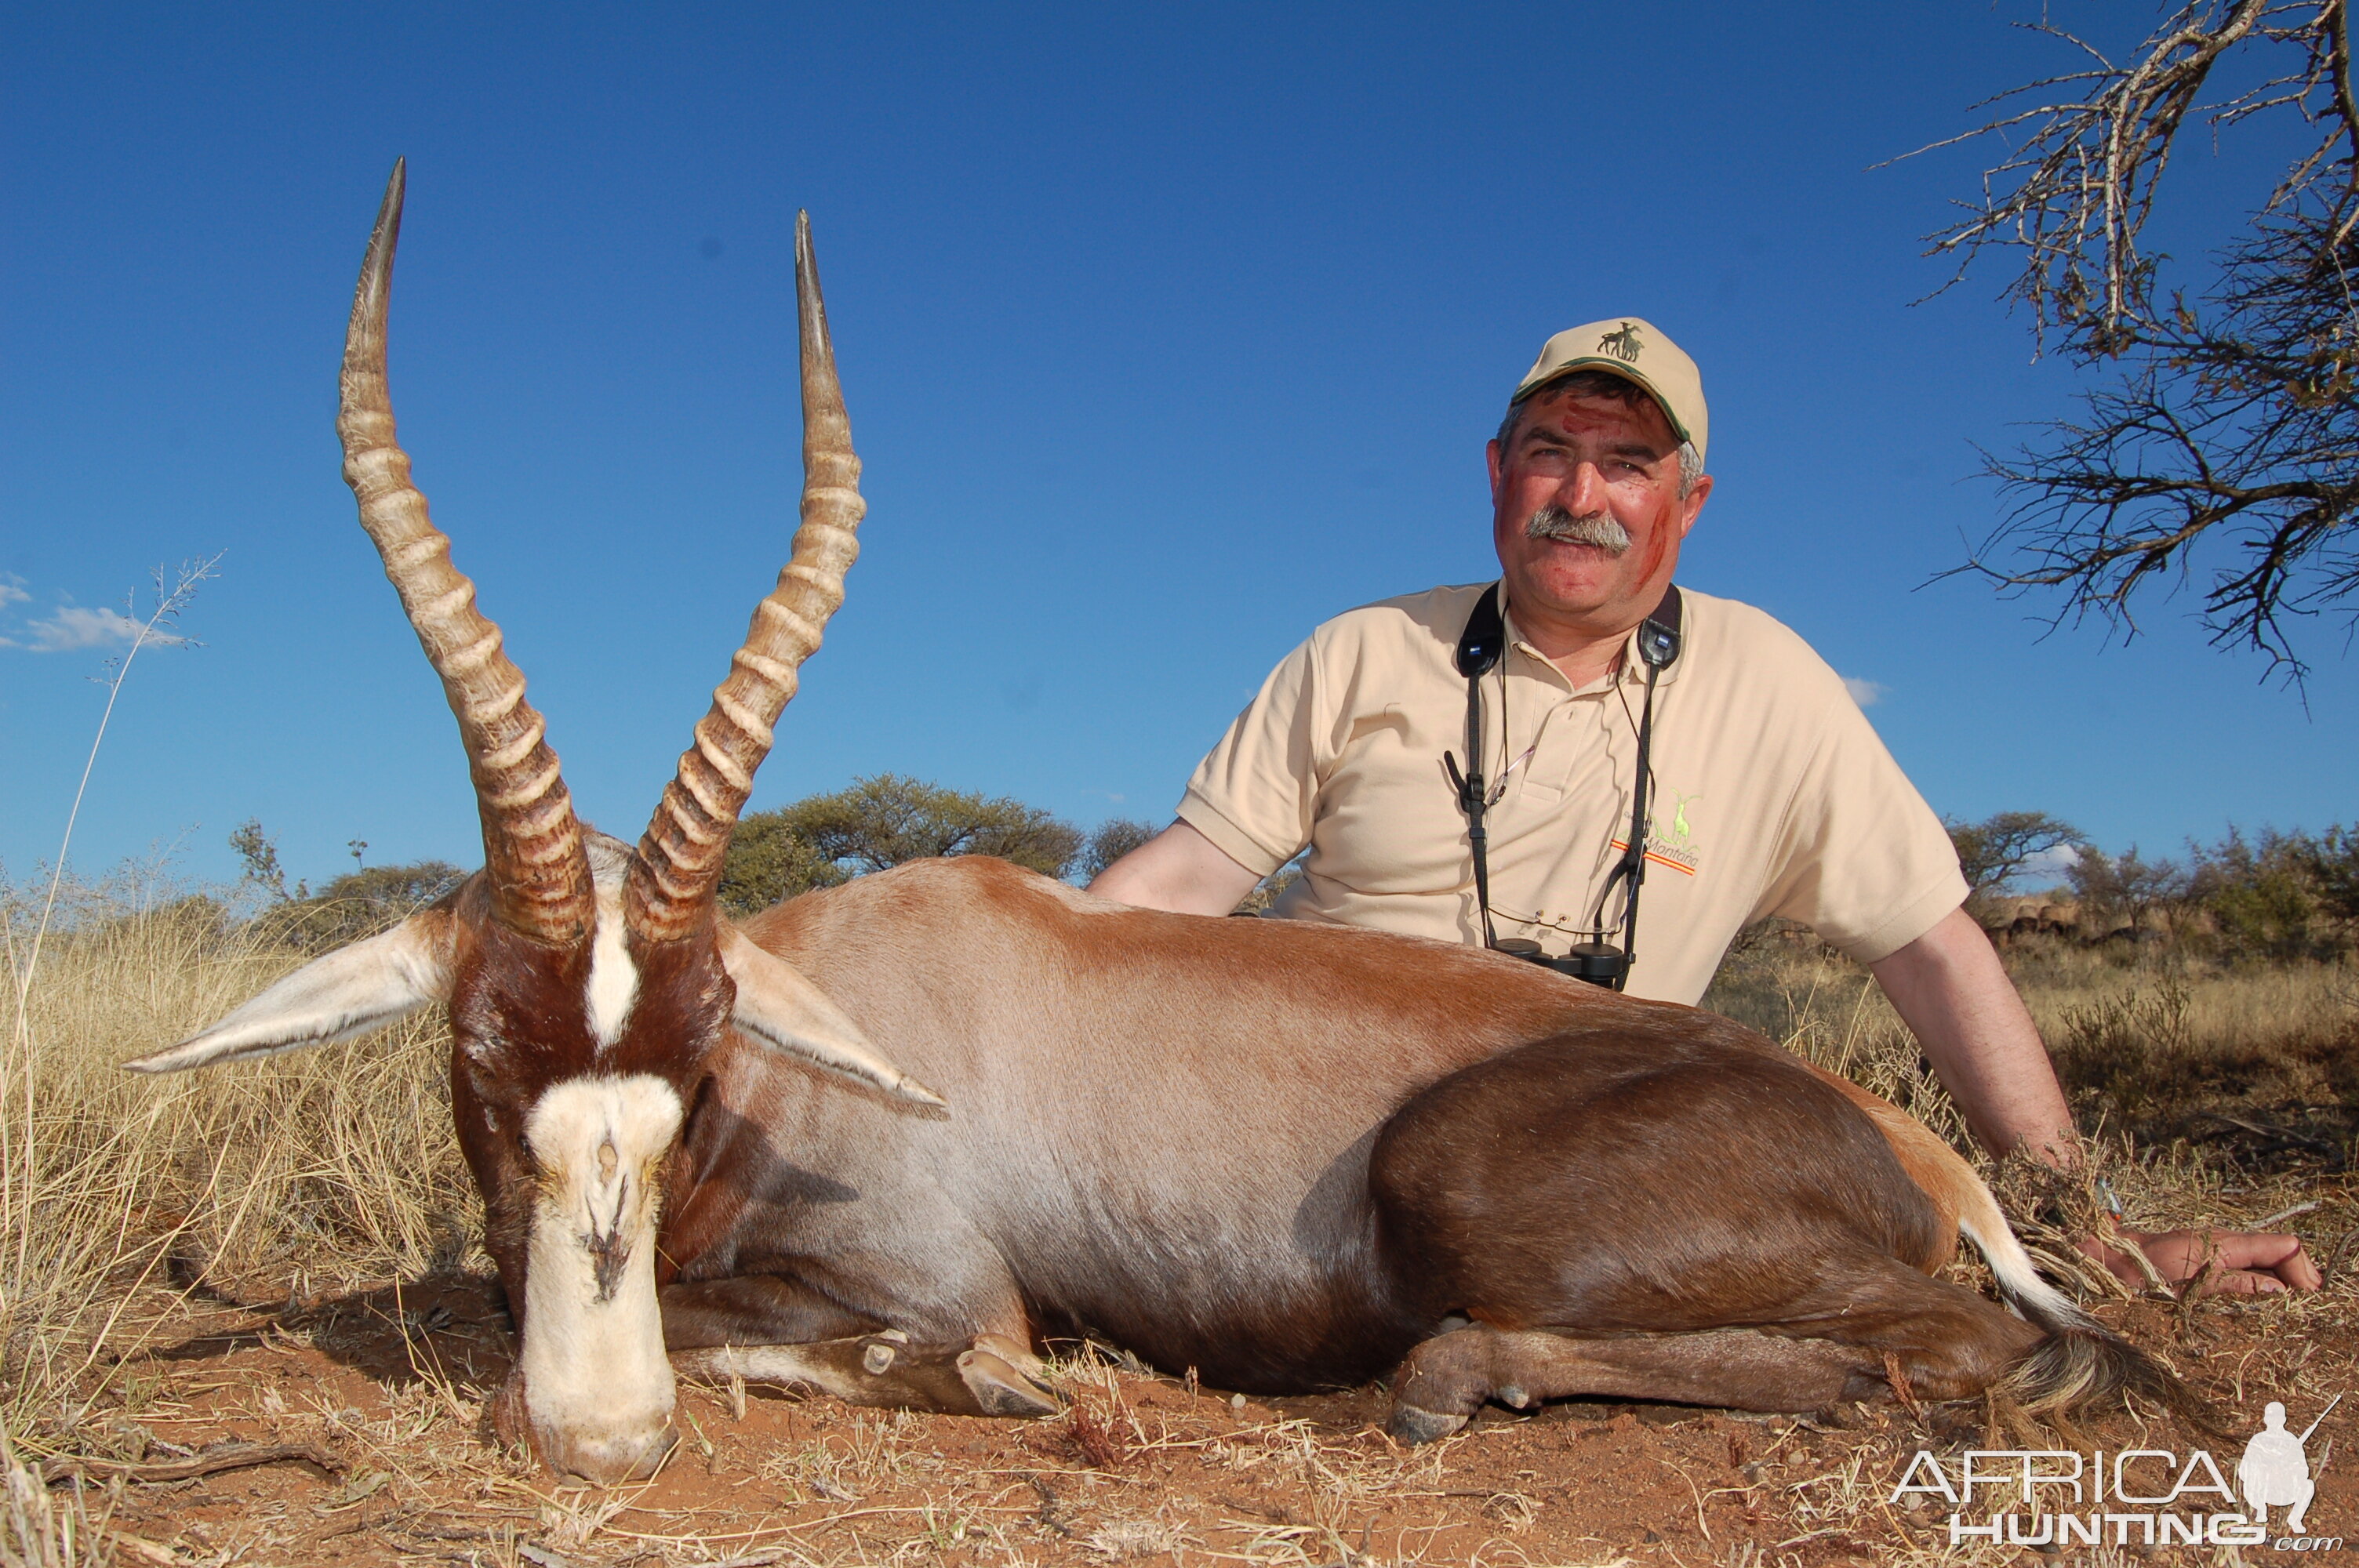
{"x":160,"y":627}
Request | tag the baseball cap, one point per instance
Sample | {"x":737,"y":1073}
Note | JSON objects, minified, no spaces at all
{"x":1633,"y":349}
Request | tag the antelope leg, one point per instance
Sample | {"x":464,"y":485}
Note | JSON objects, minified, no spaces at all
{"x":885,"y":1370}
{"x":1447,"y":1379}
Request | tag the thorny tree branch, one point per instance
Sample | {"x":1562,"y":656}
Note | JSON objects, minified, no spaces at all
{"x":2230,"y":433}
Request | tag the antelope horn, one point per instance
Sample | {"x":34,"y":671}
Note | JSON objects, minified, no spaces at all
{"x":678,"y":864}
{"x":532,"y":843}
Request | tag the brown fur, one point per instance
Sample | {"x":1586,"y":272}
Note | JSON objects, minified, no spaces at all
{"x":1266,"y":1150}
{"x":1279,"y":1154}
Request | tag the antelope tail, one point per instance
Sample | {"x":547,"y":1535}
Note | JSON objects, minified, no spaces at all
{"x":2081,"y":1363}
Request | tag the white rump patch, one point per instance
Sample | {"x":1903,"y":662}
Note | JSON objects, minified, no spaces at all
{"x":595,"y":1375}
{"x":613,"y":985}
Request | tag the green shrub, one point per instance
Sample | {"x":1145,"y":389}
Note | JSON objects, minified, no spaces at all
{"x":877,"y":824}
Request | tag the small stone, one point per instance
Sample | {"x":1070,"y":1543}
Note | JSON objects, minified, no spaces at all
{"x":1236,"y":1401}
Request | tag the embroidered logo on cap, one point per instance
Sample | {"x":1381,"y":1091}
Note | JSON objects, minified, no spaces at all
{"x":1623,"y":345}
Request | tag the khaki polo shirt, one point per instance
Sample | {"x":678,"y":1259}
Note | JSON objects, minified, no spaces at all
{"x":1773,"y":795}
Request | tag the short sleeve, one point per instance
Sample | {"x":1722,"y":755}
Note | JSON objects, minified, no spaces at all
{"x":1252,"y":794}
{"x":1860,"y":858}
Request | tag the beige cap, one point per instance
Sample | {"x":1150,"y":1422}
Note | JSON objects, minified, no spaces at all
{"x":1633,"y":349}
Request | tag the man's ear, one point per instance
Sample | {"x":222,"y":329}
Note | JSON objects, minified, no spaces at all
{"x":1693,"y":506}
{"x":352,"y":990}
{"x":780,"y":1007}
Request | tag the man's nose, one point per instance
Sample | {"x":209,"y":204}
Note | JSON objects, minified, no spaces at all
{"x":1582,"y":494}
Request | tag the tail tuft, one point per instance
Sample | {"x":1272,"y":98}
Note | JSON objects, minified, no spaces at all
{"x":2082,"y":1363}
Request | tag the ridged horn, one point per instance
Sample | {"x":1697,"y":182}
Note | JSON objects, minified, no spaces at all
{"x":532,"y":842}
{"x":678,"y":865}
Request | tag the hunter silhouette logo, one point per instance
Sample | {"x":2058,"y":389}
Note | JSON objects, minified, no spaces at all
{"x":2275,"y":1472}
{"x":1623,"y":345}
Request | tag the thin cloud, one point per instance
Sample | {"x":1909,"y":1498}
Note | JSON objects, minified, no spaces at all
{"x":2051,"y":862}
{"x":11,"y":590}
{"x":1866,"y":693}
{"x":71,"y":627}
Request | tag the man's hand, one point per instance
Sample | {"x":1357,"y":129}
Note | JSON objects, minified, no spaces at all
{"x":2244,"y":1262}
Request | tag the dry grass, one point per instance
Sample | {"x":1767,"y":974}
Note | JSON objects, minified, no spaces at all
{"x":316,"y":1169}
{"x":49,"y":1529}
{"x":2148,"y":1043}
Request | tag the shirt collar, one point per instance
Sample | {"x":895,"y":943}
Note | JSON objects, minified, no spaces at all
{"x":1632,"y":670}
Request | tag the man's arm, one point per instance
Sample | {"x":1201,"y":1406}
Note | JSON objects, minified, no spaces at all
{"x":1178,"y":870}
{"x":1950,"y":988}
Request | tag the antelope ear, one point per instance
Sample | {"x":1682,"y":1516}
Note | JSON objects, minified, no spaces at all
{"x":778,"y":1006}
{"x":350,"y":991}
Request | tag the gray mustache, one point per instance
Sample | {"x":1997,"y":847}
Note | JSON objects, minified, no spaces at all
{"x":1554,"y":522}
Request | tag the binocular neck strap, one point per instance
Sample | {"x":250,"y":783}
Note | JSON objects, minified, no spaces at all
{"x":1632,"y":863}
{"x":1480,"y":647}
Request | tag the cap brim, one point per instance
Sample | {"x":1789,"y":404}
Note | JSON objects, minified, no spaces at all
{"x":1612,"y":367}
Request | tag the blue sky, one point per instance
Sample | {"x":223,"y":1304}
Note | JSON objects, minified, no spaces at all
{"x":1165,"y":336}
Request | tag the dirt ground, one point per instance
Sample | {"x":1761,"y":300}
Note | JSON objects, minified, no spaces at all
{"x":387,"y":1387}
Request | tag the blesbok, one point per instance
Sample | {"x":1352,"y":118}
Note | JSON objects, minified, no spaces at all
{"x":872,"y":1140}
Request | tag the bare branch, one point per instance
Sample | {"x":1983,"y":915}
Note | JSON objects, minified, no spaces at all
{"x":2226,"y":451}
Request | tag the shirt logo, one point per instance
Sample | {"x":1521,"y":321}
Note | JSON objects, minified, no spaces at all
{"x":1674,"y":850}
{"x":1681,"y":833}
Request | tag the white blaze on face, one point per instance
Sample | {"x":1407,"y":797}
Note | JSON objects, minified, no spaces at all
{"x":598,"y":1387}
{"x":614,"y":983}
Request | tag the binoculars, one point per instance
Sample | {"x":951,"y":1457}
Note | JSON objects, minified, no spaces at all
{"x":1597,"y":962}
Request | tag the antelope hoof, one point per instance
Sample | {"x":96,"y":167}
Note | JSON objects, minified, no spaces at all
{"x":1414,"y":1426}
{"x":1018,"y":1355}
{"x":999,"y":1389}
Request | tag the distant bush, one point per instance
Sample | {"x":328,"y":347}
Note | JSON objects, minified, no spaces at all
{"x":2258,"y":893}
{"x":2269,"y":898}
{"x":257,"y":856}
{"x":1995,"y":850}
{"x":364,"y":902}
{"x":2331,"y":860}
{"x":358,"y":903}
{"x":879,"y":823}
{"x":2126,"y":889}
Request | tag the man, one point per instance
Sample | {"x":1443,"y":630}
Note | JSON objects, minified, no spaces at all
{"x":1771,"y":793}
